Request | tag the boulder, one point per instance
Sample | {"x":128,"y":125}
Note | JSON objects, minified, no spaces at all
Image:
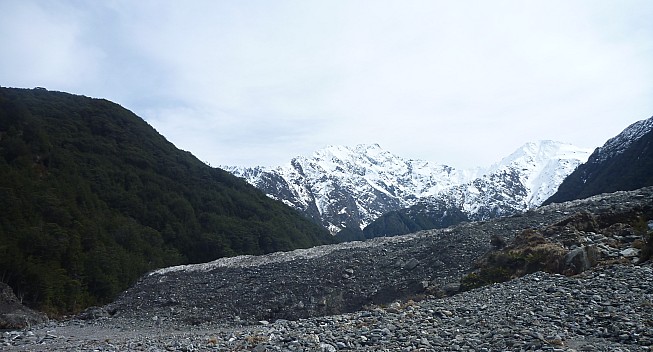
{"x":576,"y":261}
{"x":630,"y":252}
{"x":411,"y":264}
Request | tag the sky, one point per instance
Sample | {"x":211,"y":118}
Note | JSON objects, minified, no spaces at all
{"x":258,"y":82}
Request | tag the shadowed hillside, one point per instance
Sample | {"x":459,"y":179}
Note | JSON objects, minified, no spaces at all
{"x":624,"y":163}
{"x":92,"y":197}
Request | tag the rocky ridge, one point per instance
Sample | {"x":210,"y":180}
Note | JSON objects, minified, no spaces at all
{"x":624,"y":140}
{"x":392,"y":292}
{"x":623,"y":163}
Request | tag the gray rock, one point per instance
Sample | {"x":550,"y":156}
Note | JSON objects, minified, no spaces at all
{"x":451,"y":288}
{"x":411,"y":264}
{"x":576,"y":261}
{"x":630,"y":252}
{"x":325,"y":347}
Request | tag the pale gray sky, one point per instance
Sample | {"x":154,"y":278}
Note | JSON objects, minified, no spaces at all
{"x":462,"y":83}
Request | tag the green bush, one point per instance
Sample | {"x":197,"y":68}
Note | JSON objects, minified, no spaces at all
{"x":485,"y":276}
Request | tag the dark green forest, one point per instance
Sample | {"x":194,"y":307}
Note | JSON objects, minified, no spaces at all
{"x":92,"y":197}
{"x":416,"y":218}
{"x":399,"y":222}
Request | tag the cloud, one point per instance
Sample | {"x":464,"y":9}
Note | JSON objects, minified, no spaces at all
{"x":259,"y":82}
{"x":41,"y":49}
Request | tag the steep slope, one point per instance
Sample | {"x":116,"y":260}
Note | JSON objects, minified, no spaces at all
{"x":345,"y":189}
{"x":623,"y":163}
{"x":518,"y":182}
{"x":92,"y":197}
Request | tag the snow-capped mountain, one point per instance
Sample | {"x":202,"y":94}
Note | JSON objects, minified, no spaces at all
{"x":344,"y":187}
{"x":623,"y":163}
{"x":520,"y":181}
{"x":538,"y":167}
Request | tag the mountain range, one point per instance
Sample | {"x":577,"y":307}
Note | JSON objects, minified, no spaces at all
{"x":348,"y":189}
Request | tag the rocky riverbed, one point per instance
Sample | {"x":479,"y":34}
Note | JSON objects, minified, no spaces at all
{"x":390,"y":294}
{"x":604,"y":309}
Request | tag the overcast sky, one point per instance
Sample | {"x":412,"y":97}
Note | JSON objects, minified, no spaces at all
{"x":461,"y":83}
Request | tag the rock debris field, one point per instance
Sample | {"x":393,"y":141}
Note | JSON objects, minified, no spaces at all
{"x":388,"y":294}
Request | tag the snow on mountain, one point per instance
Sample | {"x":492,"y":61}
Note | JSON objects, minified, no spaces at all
{"x":349,"y":187}
{"x":623,"y":140}
{"x":520,"y":181}
{"x":542,"y":166}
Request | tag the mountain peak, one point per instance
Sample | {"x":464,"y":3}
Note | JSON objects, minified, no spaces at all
{"x":543,"y":165}
{"x":533,"y":152}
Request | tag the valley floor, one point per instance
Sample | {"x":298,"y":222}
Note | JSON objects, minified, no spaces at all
{"x":607,"y":308}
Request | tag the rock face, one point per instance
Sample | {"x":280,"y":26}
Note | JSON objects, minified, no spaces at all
{"x":348,"y":188}
{"x":622,"y":163}
{"x":14,"y":315}
{"x":345,"y":277}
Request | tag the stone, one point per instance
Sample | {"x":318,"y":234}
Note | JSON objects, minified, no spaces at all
{"x":325,"y":347}
{"x":630,"y":252}
{"x":451,"y":288}
{"x":576,"y":261}
{"x":411,"y":264}
{"x":259,"y":348}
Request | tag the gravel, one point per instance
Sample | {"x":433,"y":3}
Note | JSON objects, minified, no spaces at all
{"x":604,"y":309}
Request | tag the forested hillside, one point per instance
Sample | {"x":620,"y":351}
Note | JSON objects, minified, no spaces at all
{"x":92,"y":197}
